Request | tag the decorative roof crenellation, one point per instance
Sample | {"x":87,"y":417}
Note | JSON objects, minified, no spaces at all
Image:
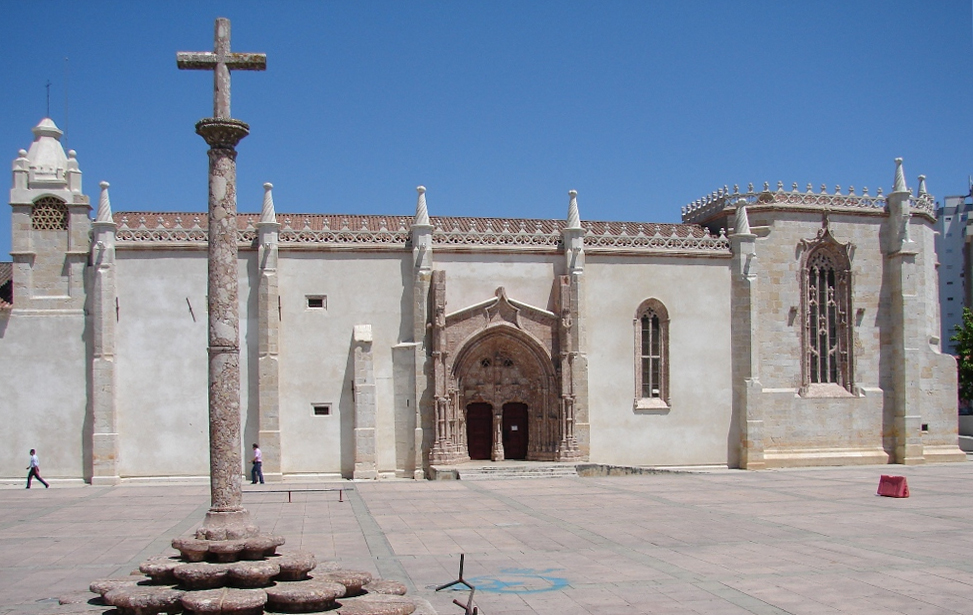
{"x":704,"y":209}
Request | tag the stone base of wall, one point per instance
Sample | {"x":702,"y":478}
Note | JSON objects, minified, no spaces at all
{"x":105,"y":481}
{"x":943,"y":454}
{"x":794,"y":458}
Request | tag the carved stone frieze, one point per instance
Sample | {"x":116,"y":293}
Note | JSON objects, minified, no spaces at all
{"x":317,"y":231}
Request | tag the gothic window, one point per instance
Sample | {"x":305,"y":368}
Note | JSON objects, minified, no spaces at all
{"x":49,"y":214}
{"x":652,"y":354}
{"x":827,"y":307}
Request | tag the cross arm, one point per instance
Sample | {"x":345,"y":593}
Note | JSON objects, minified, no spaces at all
{"x":193,"y":60}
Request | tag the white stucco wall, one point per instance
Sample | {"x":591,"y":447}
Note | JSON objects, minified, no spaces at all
{"x":43,"y":394}
{"x":472,"y":278}
{"x":161,"y":373}
{"x":162,"y":407}
{"x":696,"y":293}
{"x":315,"y":353}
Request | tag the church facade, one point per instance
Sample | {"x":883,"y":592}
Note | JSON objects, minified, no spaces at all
{"x":770,"y":328}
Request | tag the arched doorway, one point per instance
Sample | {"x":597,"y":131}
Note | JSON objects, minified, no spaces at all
{"x":506,"y":373}
{"x":515,"y":431}
{"x":479,"y":430}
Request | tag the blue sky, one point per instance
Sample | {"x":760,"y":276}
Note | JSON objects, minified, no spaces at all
{"x":499,"y":108}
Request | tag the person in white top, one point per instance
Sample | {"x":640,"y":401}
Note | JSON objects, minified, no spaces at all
{"x":35,"y":470}
{"x":258,"y":462}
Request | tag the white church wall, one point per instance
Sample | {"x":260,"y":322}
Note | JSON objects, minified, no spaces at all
{"x":316,"y":364}
{"x":695,"y":292}
{"x":161,"y":363}
{"x":472,"y":278}
{"x":42,"y":399}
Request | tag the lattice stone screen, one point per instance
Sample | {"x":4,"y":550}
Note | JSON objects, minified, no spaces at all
{"x":49,"y":214}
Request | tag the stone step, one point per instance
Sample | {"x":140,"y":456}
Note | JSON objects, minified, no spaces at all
{"x":517,"y":472}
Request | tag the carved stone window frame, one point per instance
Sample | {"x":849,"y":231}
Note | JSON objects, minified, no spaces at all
{"x":826,"y":275}
{"x":645,"y":352}
{"x":49,"y":213}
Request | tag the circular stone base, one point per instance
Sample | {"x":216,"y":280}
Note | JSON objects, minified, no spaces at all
{"x":160,"y":569}
{"x":236,"y":601}
{"x":351,"y":579}
{"x":384,"y":586}
{"x":295,"y":566}
{"x":103,"y":586}
{"x":192,"y":549}
{"x":376,"y":604}
{"x":252,"y":574}
{"x":259,"y":547}
{"x":202,"y":575}
{"x":144,"y":600}
{"x":303,"y":596}
{"x":226,"y":550}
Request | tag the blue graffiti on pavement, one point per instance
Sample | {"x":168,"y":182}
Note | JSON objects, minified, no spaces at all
{"x":520,"y":581}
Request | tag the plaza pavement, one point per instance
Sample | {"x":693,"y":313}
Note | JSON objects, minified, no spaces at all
{"x":808,"y":541}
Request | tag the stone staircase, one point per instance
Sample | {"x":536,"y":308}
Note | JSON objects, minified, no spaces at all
{"x":509,"y":472}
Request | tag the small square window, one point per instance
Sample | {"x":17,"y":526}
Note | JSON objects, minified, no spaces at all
{"x":317,"y":302}
{"x":321,"y":409}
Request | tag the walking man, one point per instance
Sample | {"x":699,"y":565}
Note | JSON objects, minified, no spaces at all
{"x":35,"y":470}
{"x":258,"y":462}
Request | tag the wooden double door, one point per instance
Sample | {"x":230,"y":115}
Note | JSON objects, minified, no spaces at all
{"x":482,"y":424}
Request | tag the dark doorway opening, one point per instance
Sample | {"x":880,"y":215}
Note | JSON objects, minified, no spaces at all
{"x":515,"y":431}
{"x":479,"y":430}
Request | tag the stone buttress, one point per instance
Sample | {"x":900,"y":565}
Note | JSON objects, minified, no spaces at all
{"x":268,"y":315}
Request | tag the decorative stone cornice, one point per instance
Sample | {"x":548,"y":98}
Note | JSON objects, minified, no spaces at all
{"x":222,"y":133}
{"x":723,"y":201}
{"x":323,"y":232}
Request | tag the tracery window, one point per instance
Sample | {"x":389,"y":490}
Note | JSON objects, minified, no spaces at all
{"x":652,"y":354}
{"x":827,"y":308}
{"x":49,"y":214}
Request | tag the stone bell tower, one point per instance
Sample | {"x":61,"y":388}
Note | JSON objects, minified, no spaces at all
{"x":45,"y":332}
{"x":50,"y":225}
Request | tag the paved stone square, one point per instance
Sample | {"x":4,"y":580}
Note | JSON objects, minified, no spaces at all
{"x":808,"y":542}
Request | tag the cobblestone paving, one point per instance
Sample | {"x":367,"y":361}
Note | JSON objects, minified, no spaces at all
{"x":808,"y":542}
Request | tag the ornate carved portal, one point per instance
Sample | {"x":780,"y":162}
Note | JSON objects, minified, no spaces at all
{"x":498,"y":394}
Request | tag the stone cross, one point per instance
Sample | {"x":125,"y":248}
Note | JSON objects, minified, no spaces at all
{"x":221,"y":62}
{"x":226,"y":519}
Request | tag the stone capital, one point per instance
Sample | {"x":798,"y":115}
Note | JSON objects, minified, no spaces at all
{"x":221,"y":133}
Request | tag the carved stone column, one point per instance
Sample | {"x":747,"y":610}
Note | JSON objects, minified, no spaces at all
{"x":440,"y":452}
{"x":226,"y":511}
